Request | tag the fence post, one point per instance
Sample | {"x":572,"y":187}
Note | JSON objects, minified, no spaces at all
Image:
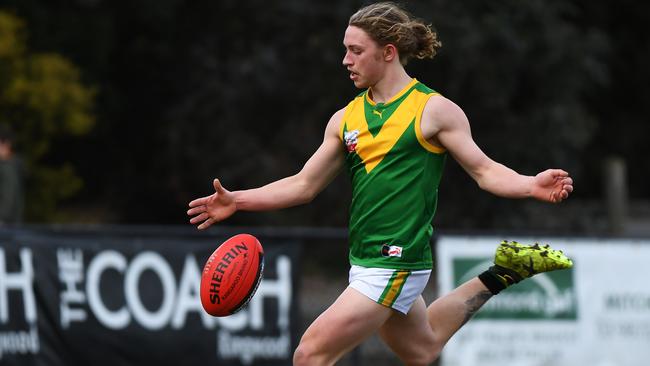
{"x":615,"y":179}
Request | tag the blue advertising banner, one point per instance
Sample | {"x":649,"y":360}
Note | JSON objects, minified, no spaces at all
{"x":104,"y":298}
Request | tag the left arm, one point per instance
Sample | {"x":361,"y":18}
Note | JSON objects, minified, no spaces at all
{"x":444,"y":123}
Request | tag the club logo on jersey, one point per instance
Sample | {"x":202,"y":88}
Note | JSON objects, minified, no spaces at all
{"x":391,"y":251}
{"x":351,"y":139}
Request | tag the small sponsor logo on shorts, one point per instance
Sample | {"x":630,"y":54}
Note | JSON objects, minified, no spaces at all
{"x":391,"y":251}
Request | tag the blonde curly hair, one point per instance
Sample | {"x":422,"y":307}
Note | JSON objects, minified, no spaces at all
{"x":387,"y":23}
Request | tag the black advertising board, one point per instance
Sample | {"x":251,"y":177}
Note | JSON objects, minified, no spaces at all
{"x":101,"y":299}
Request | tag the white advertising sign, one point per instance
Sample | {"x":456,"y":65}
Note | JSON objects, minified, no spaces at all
{"x":596,"y":314}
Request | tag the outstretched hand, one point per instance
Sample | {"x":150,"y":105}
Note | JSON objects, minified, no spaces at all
{"x":207,"y":210}
{"x":552,"y":185}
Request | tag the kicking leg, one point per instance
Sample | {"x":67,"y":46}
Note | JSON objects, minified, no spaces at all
{"x":513,"y":262}
{"x":449,"y":313}
{"x":418,"y":337}
{"x":445,"y":316}
{"x":352,"y":318}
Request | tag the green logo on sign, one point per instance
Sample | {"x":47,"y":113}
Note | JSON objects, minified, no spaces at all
{"x":544,"y":296}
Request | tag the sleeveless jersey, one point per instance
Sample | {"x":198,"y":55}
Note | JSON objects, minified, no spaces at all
{"x":395,"y":175}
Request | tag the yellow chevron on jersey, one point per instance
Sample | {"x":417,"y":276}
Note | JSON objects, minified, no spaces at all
{"x":395,"y":174}
{"x":372,"y":149}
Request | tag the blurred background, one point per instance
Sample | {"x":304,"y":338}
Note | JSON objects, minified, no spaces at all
{"x":124,"y":111}
{"x":121,"y":112}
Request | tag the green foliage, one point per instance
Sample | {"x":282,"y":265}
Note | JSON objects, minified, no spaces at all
{"x":11,"y":37}
{"x":42,"y":99}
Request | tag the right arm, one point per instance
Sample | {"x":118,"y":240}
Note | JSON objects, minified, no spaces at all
{"x":444,"y":123}
{"x":301,"y":188}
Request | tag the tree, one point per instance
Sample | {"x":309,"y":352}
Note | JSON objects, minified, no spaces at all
{"x":43,"y":100}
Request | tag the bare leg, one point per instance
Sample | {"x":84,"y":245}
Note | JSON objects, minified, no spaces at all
{"x":352,"y":318}
{"x":445,"y":316}
{"x":450,"y":312}
{"x":418,"y":337}
{"x":410,"y":336}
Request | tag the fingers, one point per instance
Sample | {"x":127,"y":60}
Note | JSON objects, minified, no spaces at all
{"x":554,"y":197}
{"x":203,"y":200}
{"x":558,"y":196}
{"x":199,"y":207}
{"x":562,"y":194}
{"x":203,"y":219}
{"x":206,"y":224}
{"x":197,"y":210}
{"x":563,"y":185}
{"x":199,"y":202}
{"x":559,"y":173}
{"x":217,"y":186}
{"x":568,"y":188}
{"x":199,"y":218}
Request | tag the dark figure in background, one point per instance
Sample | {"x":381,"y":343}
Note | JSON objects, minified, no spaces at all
{"x":11,"y":182}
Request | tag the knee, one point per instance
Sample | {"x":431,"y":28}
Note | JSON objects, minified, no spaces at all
{"x":300,"y":356}
{"x":423,"y":359}
{"x":305,"y":355}
{"x":423,"y":356}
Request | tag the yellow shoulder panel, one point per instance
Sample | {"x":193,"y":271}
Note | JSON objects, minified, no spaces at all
{"x":372,"y":150}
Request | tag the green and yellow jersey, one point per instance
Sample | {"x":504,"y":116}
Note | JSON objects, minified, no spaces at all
{"x":395,"y":175}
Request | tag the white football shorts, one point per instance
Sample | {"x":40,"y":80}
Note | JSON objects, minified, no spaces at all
{"x":394,"y":288}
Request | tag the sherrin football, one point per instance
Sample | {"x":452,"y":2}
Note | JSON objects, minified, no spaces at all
{"x":231,"y":275}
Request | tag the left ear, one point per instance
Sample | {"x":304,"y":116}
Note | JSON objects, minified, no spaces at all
{"x":390,"y":52}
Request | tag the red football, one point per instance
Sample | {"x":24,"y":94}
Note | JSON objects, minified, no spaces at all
{"x":231,"y":275}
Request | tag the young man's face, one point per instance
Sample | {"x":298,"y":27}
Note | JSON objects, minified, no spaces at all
{"x":363,"y":58}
